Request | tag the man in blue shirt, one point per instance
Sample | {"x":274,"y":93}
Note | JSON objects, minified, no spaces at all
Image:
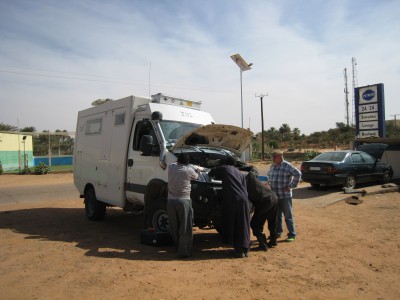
{"x":283,"y":177}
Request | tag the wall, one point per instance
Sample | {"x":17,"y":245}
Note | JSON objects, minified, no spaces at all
{"x":392,"y":158}
{"x":12,"y":150}
{"x":55,"y":160}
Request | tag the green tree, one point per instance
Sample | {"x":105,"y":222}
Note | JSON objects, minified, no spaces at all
{"x":6,"y":127}
{"x":273,"y":134}
{"x":285,"y":131}
{"x":28,"y":129}
{"x":296,"y":133}
{"x":59,"y":142}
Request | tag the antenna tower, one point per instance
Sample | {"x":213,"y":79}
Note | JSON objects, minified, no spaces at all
{"x":346,"y":95}
{"x":355,"y":84}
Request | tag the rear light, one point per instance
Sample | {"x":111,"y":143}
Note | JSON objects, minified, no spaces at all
{"x":330,"y":170}
{"x":303,"y":168}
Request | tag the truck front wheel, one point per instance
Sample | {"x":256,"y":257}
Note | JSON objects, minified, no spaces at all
{"x":157,"y":215}
{"x":95,"y":209}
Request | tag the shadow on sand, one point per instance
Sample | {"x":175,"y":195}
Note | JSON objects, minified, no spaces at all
{"x":117,"y":236}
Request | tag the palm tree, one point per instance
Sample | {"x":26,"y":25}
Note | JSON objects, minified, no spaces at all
{"x":296,"y":133}
{"x":285,"y":131}
{"x":6,"y":127}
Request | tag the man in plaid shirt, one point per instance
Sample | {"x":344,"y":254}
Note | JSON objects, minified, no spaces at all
{"x":283,"y":177}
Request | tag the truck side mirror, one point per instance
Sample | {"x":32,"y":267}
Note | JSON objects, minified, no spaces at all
{"x":146,"y":145}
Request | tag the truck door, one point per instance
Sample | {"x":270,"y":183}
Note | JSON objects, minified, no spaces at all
{"x":140,"y":169}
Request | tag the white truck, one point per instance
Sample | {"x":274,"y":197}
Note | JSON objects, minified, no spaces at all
{"x":123,"y":147}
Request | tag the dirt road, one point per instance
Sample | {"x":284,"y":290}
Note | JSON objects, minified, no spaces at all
{"x":49,"y":250}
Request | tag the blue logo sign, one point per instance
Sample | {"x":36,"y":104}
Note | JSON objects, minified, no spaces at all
{"x":368,"y":95}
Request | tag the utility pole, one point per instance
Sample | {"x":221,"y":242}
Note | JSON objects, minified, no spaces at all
{"x":346,"y":95}
{"x":395,"y":125}
{"x":261,"y":96}
{"x":355,"y":84}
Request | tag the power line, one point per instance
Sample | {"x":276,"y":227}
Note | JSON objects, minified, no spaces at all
{"x":61,"y":72}
{"x":65,"y":77}
{"x":128,"y":81}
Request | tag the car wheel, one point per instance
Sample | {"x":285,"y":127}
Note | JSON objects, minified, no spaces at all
{"x":386,"y":177}
{"x":157,"y":215}
{"x":95,"y":209}
{"x":315,"y":185}
{"x":350,"y":182}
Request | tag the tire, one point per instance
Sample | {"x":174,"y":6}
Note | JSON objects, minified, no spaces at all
{"x":386,"y":177}
{"x":157,"y":215}
{"x":95,"y":209}
{"x":315,"y":185}
{"x":350,"y":182}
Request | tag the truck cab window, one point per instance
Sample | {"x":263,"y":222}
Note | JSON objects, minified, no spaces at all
{"x":144,"y":128}
{"x":174,"y":130}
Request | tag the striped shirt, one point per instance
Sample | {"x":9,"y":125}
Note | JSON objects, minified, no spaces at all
{"x":282,"y":176}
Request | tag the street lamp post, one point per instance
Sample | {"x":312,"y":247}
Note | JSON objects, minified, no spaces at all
{"x":25,"y":164}
{"x":262,"y":125}
{"x":244,"y":66}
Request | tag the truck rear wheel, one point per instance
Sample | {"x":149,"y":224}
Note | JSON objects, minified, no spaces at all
{"x":157,"y":215}
{"x":95,"y":209}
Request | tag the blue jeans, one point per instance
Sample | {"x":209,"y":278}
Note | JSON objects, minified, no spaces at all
{"x":285,"y":209}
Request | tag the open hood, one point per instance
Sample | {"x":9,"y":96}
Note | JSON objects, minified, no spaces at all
{"x":232,"y":138}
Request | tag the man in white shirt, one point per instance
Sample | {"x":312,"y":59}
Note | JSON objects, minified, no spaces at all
{"x":179,"y":207}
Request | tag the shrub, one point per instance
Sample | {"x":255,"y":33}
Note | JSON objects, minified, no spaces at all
{"x":273,"y":144}
{"x":1,"y":169}
{"x":24,"y":171}
{"x":310,"y":154}
{"x":42,"y":168}
{"x":291,"y":149}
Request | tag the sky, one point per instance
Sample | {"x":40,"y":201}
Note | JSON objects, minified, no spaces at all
{"x":57,"y":57}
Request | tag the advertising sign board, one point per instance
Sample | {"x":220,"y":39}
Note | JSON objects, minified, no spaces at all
{"x":370,"y":111}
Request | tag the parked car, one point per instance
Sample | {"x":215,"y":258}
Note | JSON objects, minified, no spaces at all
{"x":346,"y":168}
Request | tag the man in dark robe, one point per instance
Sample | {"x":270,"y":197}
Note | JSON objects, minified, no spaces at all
{"x":265,"y":204}
{"x":235,"y":228}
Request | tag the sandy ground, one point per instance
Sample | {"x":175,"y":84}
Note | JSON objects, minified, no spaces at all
{"x":49,"y":250}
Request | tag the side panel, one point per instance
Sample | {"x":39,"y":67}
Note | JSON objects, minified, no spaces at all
{"x":112,"y":160}
{"x":100,"y":150}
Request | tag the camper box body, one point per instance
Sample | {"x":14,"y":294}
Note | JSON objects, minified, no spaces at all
{"x":108,"y":161}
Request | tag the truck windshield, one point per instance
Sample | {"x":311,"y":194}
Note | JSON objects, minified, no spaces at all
{"x":174,"y":130}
